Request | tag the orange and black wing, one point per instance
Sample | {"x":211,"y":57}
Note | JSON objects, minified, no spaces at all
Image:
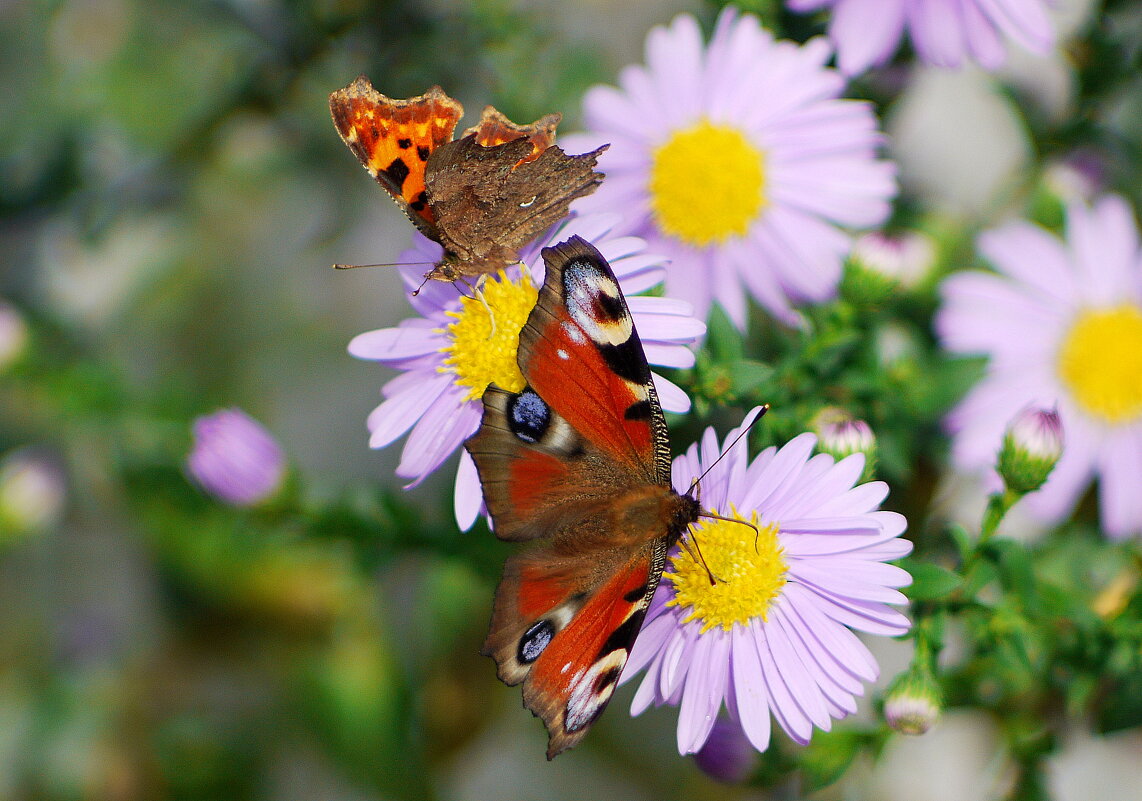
{"x":395,"y":138}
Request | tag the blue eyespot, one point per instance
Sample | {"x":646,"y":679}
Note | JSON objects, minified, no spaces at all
{"x":528,"y":416}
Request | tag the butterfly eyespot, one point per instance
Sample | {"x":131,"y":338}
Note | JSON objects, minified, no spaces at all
{"x":534,"y":640}
{"x":528,"y":416}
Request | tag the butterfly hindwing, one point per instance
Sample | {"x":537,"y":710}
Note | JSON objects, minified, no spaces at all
{"x":490,"y":201}
{"x":394,"y":139}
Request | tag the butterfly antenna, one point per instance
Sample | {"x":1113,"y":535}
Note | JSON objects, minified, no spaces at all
{"x":416,"y":291}
{"x":696,"y":483}
{"x":382,"y":264}
{"x":690,"y":545}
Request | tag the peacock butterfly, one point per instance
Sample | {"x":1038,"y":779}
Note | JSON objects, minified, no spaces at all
{"x":577,"y":464}
{"x":481,"y":197}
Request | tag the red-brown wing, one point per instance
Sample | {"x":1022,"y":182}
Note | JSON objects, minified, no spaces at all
{"x":394,"y":138}
{"x":494,"y":129}
{"x":580,"y":352}
{"x":566,"y":634}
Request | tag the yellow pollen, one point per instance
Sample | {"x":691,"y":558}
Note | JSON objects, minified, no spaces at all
{"x":480,"y":352}
{"x":747,"y":578}
{"x":707,"y":184}
{"x":1100,"y":362}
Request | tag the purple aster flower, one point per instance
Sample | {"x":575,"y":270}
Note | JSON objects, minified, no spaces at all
{"x":728,"y":755}
{"x":945,"y":33}
{"x":773,"y":635}
{"x":738,"y":161}
{"x":453,"y":351}
{"x":1061,"y":324}
{"x":235,"y":459}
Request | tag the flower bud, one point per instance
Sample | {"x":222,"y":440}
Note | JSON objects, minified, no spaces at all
{"x":913,"y":701}
{"x":235,"y":459}
{"x":32,"y":493}
{"x":727,"y":755}
{"x":904,"y":259}
{"x":839,"y":434}
{"x":1031,"y":447}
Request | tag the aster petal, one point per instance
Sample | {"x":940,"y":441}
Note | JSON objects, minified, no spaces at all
{"x":1021,"y":21}
{"x":981,"y":36}
{"x":835,"y":700}
{"x":780,"y":473}
{"x":646,"y":694}
{"x":1032,"y":256}
{"x":674,"y":58}
{"x":665,"y":320}
{"x":802,"y":689}
{"x":441,"y":430}
{"x":1104,"y":241}
{"x":1120,"y":502}
{"x":937,"y":32}
{"x":870,"y":616}
{"x":676,"y":658}
{"x":399,"y":413}
{"x":865,"y":40}
{"x":868,"y":581}
{"x":467,"y":497}
{"x":607,"y":109}
{"x":836,"y":640}
{"x":856,"y":501}
{"x":651,"y":640}
{"x":792,"y":719}
{"x":751,"y":702}
{"x":411,"y":339}
{"x":705,"y":689}
{"x":830,"y":672}
{"x":670,"y":395}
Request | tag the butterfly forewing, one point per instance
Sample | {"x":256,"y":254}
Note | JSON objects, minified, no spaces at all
{"x":394,"y":139}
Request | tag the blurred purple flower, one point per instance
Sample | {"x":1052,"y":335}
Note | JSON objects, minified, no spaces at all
{"x":1061,"y":324}
{"x":235,"y":459}
{"x":728,"y":755}
{"x":740,"y":162}
{"x":944,"y":33}
{"x":773,"y":635}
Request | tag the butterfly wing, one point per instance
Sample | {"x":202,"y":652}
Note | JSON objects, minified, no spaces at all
{"x":577,"y":463}
{"x":394,"y":139}
{"x":495,"y":129}
{"x":491,"y":201}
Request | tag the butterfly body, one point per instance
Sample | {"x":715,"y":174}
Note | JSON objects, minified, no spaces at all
{"x":483,"y":196}
{"x":577,"y":465}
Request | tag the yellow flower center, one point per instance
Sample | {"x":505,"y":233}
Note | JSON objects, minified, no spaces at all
{"x":483,"y":340}
{"x":707,"y":183}
{"x":748,"y":576}
{"x":1100,"y":362}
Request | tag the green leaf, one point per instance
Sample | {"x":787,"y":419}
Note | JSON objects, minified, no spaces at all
{"x":930,"y":582}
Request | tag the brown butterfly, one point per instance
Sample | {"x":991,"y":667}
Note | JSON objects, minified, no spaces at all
{"x":483,"y":196}
{"x":578,"y":465}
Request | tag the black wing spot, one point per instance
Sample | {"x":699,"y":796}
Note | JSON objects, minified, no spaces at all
{"x":404,"y":144}
{"x":610,"y":308}
{"x":535,"y":640}
{"x":421,"y":201}
{"x":606,"y":679}
{"x":628,"y":359}
{"x":528,"y":416}
{"x":422,"y":152}
{"x":398,"y":171}
{"x":635,"y":594}
{"x":639,"y":410}
{"x":622,"y":637}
